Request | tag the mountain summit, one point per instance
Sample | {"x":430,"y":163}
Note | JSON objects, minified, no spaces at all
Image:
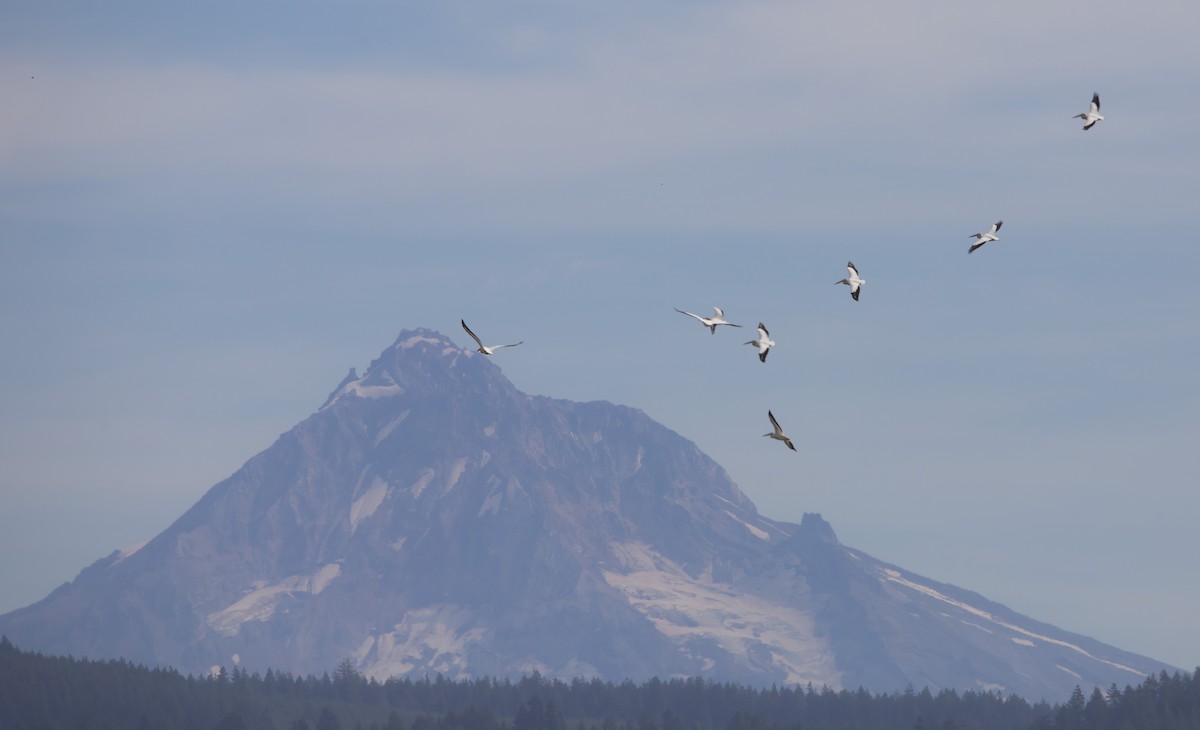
{"x":432,"y":518}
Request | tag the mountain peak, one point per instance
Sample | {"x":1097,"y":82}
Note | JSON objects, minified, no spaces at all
{"x":425,"y":338}
{"x":431,"y":517}
{"x":420,"y":359}
{"x":814,"y":528}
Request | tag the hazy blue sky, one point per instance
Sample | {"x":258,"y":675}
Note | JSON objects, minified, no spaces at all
{"x":210,"y":211}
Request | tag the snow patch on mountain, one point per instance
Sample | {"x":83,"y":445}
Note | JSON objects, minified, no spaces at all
{"x":387,"y":430}
{"x":418,"y":339}
{"x":698,"y":615}
{"x":373,"y":391}
{"x":1068,"y":671}
{"x":456,"y":472}
{"x":759,"y":530}
{"x":974,"y":625}
{"x":491,"y":504}
{"x":435,"y":638}
{"x":760,"y":534}
{"x":261,"y":602}
{"x":323,"y":577}
{"x":422,"y":482}
{"x":386,"y":388}
{"x":896,"y":577}
{"x":365,"y":506}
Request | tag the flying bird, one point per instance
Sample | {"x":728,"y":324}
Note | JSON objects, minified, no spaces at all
{"x":1092,"y":115}
{"x":764,"y":342}
{"x":710,"y":322}
{"x":985,"y":237}
{"x":778,"y":433}
{"x":853,"y":281}
{"x":485,"y":349}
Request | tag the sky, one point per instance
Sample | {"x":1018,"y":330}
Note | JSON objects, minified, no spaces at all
{"x":210,"y":212}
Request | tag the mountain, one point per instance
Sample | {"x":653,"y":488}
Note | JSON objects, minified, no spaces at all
{"x":430,"y":517}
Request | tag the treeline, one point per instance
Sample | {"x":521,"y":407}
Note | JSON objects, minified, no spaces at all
{"x":1162,"y":702}
{"x":62,"y":693}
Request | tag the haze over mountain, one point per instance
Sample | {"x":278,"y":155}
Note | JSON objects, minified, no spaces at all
{"x":430,"y":517}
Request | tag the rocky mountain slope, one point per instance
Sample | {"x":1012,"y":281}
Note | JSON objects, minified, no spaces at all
{"x":432,"y":518}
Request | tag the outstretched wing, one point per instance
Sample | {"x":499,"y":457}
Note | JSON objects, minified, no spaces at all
{"x":996,"y":227}
{"x":1096,"y":103}
{"x":472,"y":334}
{"x":696,"y":316}
{"x":774,"y":423}
{"x":497,"y":347}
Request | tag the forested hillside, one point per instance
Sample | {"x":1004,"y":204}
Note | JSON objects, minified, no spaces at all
{"x":52,"y":693}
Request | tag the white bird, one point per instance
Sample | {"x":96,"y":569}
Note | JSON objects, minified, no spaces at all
{"x":1092,"y":115}
{"x":486,"y":349}
{"x":710,"y":322}
{"x":764,"y":342}
{"x":985,"y":237}
{"x":778,"y":433}
{"x":853,"y":281}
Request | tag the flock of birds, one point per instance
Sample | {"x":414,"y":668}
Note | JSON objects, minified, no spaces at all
{"x":764,"y":343}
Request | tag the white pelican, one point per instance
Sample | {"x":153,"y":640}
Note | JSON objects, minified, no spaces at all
{"x":778,"y":433}
{"x":764,"y":342}
{"x":985,"y":237}
{"x":486,"y":349}
{"x":710,"y":322}
{"x":1092,"y":115}
{"x":852,"y":281}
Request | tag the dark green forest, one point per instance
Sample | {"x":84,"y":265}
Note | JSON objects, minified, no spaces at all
{"x":63,"y":693}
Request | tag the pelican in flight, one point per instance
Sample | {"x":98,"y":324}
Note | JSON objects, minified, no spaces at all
{"x":485,"y":349}
{"x":710,"y":322}
{"x":853,"y":281}
{"x":985,"y":237}
{"x":764,"y":342}
{"x":1092,"y":115}
{"x":778,"y":433}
